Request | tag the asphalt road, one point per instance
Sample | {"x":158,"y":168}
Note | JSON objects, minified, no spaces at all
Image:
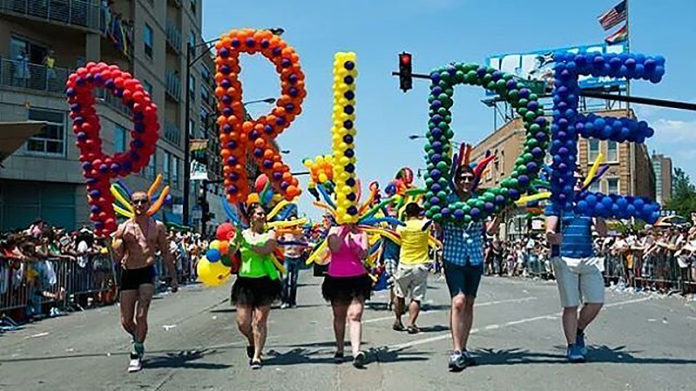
{"x":637,"y":343}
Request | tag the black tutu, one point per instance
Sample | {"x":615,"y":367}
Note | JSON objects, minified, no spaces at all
{"x":345,"y":289}
{"x":256,"y":292}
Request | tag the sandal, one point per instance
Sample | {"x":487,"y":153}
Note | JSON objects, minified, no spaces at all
{"x":413,"y":329}
{"x":398,"y":326}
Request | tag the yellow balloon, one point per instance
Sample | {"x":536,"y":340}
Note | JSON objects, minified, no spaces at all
{"x":214,"y":244}
{"x":212,"y":273}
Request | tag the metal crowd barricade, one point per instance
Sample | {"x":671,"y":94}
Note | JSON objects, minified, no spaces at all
{"x":33,"y":289}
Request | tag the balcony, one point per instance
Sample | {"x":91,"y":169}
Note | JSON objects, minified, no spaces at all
{"x":36,"y":77}
{"x":173,"y":81}
{"x":173,"y":37}
{"x":172,"y":133}
{"x":79,"y":13}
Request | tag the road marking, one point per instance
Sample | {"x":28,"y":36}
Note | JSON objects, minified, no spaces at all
{"x":484,"y":304}
{"x":37,"y":335}
{"x":498,"y":326}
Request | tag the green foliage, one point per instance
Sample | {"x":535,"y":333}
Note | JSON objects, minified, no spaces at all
{"x":684,"y":195}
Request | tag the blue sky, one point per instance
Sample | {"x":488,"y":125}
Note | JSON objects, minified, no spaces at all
{"x":437,"y":32}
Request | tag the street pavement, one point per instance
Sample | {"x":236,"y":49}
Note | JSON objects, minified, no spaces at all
{"x":639,"y":342}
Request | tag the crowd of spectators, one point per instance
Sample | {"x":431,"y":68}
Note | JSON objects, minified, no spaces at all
{"x":660,"y":259}
{"x":45,"y":270}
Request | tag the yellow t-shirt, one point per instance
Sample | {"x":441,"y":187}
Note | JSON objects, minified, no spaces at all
{"x":414,"y":243}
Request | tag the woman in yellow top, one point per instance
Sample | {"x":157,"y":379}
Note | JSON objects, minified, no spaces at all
{"x":258,"y":284}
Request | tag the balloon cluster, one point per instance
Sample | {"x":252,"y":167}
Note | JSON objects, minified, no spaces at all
{"x":568,"y":125}
{"x":402,"y":182}
{"x":438,"y":177}
{"x":238,"y":133}
{"x":320,"y":173}
{"x":612,"y":205}
{"x":217,"y":264}
{"x":122,"y":195}
{"x":618,"y":129}
{"x":343,"y":132}
{"x":98,"y":168}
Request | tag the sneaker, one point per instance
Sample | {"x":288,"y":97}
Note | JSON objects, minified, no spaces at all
{"x":468,"y":358}
{"x":284,"y":306}
{"x":457,"y":361}
{"x":338,"y":357}
{"x":255,"y":364}
{"x":580,"y":343}
{"x":359,"y":360}
{"x":134,"y":365}
{"x":574,"y":354}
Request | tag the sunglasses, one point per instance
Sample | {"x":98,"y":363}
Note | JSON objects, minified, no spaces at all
{"x":139,"y":202}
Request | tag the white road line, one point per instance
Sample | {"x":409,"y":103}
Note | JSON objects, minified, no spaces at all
{"x":484,"y":304}
{"x":507,"y":324}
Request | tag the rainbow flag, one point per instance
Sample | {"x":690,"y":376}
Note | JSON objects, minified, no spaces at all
{"x":619,"y":35}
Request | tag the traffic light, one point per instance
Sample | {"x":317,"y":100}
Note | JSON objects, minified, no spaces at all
{"x":405,"y":79}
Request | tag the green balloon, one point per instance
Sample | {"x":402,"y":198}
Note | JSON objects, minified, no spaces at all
{"x":488,"y":196}
{"x":226,"y":260}
{"x":460,"y":75}
{"x":533,"y":96}
{"x":441,"y":165}
{"x":442,"y":195}
{"x":522,"y":111}
{"x":437,"y":217}
{"x":467,"y":219}
{"x":429,"y":181}
{"x":530,"y":116}
{"x":514,"y":183}
{"x":429,"y":214}
{"x":513,"y":95}
{"x":486,"y":78}
{"x":442,"y":111}
{"x":491,"y":85}
{"x":436,"y":208}
{"x":465,"y":208}
{"x":528,"y":157}
{"x":448,"y":119}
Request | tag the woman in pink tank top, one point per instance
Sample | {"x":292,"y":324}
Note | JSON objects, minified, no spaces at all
{"x":347,"y":286}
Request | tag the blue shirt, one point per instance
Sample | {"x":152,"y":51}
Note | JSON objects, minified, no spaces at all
{"x":391,"y":250}
{"x":462,"y":244}
{"x":576,"y":234}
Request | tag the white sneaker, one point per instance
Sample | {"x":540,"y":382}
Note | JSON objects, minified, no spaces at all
{"x":284,"y":306}
{"x":134,"y":365}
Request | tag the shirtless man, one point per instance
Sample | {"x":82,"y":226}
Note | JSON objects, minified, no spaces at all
{"x":134,"y":245}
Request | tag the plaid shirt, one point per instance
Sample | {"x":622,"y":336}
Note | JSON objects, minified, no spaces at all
{"x":462,"y":244}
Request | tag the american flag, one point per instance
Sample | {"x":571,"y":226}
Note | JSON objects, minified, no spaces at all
{"x":614,"y":16}
{"x":619,"y":35}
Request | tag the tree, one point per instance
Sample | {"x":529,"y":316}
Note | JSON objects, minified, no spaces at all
{"x":684,"y":194}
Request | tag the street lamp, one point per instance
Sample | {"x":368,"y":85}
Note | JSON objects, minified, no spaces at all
{"x":187,"y":140}
{"x":270,"y":101}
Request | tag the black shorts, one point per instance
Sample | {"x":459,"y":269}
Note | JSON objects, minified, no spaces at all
{"x":463,"y":279}
{"x":255,"y":292}
{"x":131,"y":279}
{"x":344,"y":289}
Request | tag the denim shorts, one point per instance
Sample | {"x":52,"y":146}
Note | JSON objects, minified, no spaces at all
{"x":463,"y":280}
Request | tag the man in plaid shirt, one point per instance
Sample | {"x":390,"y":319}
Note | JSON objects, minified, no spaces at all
{"x":463,"y":263}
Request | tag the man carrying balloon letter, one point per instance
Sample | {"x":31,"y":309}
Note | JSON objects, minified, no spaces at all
{"x":578,"y":271}
{"x":135,"y":243}
{"x":463,"y":264}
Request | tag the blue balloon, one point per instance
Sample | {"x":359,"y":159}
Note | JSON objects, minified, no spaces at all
{"x":213,"y":255}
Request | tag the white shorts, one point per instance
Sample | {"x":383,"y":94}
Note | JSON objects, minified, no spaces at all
{"x":411,"y":282}
{"x":579,"y":278}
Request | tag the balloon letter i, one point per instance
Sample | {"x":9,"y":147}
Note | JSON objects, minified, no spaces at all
{"x":343,"y":133}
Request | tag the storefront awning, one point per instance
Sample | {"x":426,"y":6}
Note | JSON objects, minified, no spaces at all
{"x":14,"y":134}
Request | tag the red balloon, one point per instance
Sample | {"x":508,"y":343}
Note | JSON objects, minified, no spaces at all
{"x":260,"y":183}
{"x":225,"y":231}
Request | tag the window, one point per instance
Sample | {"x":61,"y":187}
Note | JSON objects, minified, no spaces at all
{"x":192,"y":128}
{"x":151,"y":169}
{"x":205,"y":95}
{"x":51,"y":140}
{"x":205,"y":74}
{"x":148,"y":87}
{"x":592,"y":150}
{"x":119,"y":139}
{"x":204,"y":117}
{"x":192,"y":43}
{"x":613,"y":185}
{"x":612,"y":151}
{"x":193,"y":6}
{"x":166,"y":173}
{"x":192,"y":87}
{"x":175,"y":172}
{"x":594,"y":188}
{"x":148,"y":38}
